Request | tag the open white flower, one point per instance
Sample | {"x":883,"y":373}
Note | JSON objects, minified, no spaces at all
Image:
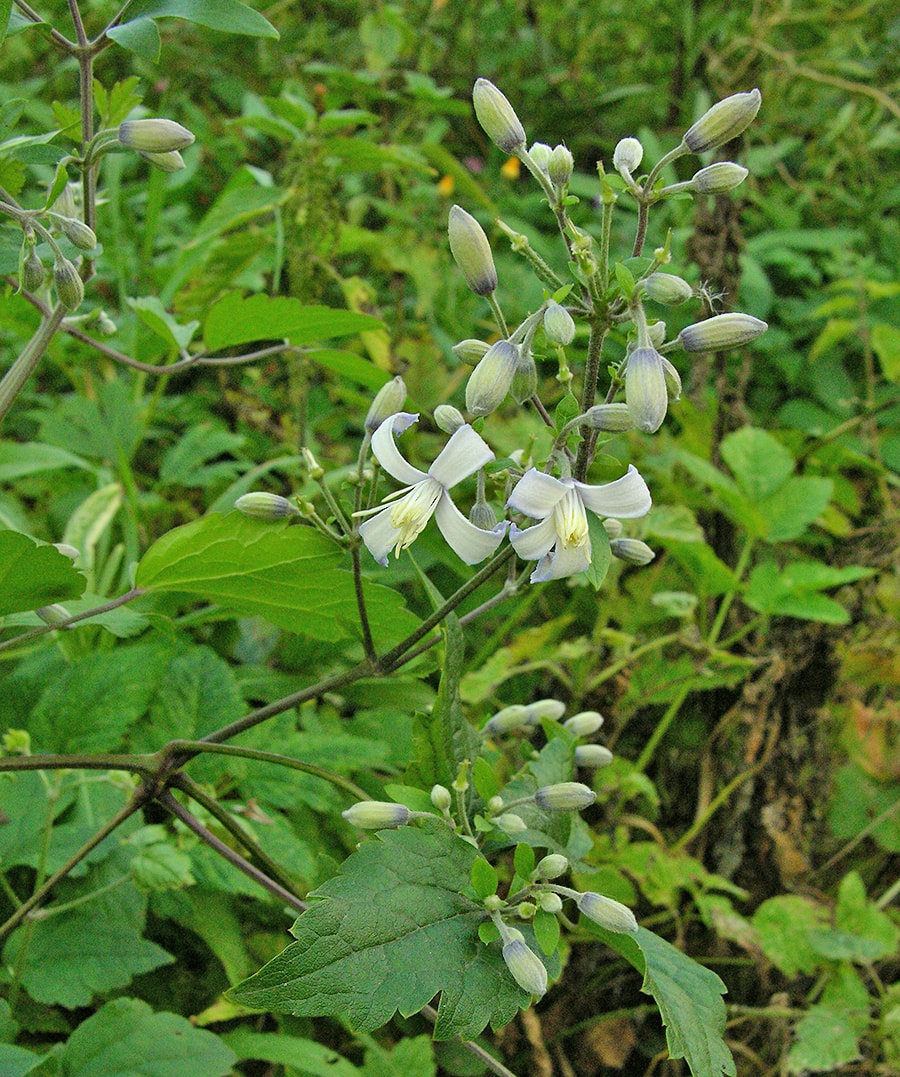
{"x":561,"y":543}
{"x":398,"y":523}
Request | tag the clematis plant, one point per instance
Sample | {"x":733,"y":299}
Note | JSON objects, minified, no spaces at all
{"x":400,"y":521}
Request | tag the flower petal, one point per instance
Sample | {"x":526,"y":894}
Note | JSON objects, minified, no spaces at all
{"x":461,"y":457}
{"x":467,"y":541}
{"x":533,"y":542}
{"x":624,"y":498}
{"x":536,"y":494}
{"x":562,"y":561}
{"x":379,"y":534}
{"x":387,"y":453}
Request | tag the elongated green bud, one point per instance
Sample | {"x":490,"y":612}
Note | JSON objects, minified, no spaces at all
{"x":526,"y":967}
{"x":491,"y":380}
{"x":560,"y":167}
{"x":645,"y":389}
{"x":564,"y":796}
{"x":389,"y":399}
{"x":266,"y":506}
{"x":720,"y":332}
{"x":76,"y":232}
{"x":718,"y":178}
{"x":553,"y":709}
{"x":606,"y":912}
{"x":559,"y":325}
{"x":613,"y":418}
{"x":470,"y":351}
{"x":627,"y":155}
{"x":592,"y":755}
{"x":525,"y":378}
{"x":472,"y":251}
{"x":32,"y":272}
{"x":165,"y":162}
{"x":53,"y":615}
{"x":540,"y":155}
{"x":584,"y":724}
{"x":673,"y":380}
{"x":440,"y":797}
{"x":497,"y":117}
{"x":69,"y":285}
{"x":632,"y":551}
{"x":552,"y":866}
{"x":723,"y":122}
{"x":154,"y":135}
{"x":376,"y":814}
{"x":482,"y":515}
{"x":667,"y":288}
{"x":449,"y":419}
{"x":551,"y":903}
{"x":510,"y":823}
{"x":508,"y":719}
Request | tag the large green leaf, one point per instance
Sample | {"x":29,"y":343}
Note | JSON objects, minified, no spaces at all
{"x":758,"y":461}
{"x":236,"y":320}
{"x":289,"y":575}
{"x":688,"y":995}
{"x":229,"y":16}
{"x":127,"y":1039}
{"x":388,"y":933}
{"x":32,"y":576}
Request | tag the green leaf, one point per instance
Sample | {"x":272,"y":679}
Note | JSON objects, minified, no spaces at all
{"x":758,"y":461}
{"x":825,"y":1040}
{"x":546,"y":931}
{"x":236,"y":320}
{"x":139,"y":36}
{"x":794,"y":590}
{"x":388,"y":933}
{"x":688,"y":995}
{"x":484,"y":878}
{"x":856,"y":914}
{"x":886,"y":345}
{"x":187,"y":462}
{"x":784,"y":925}
{"x":349,"y":365}
{"x":5,"y":9}
{"x":155,"y":316}
{"x":32,"y":576}
{"x":794,"y":506}
{"x":228,"y":16}
{"x":858,"y":801}
{"x":310,"y":1058}
{"x":288,"y":575}
{"x":411,"y":1056}
{"x":16,"y":1061}
{"x":601,"y":552}
{"x":126,"y":1037}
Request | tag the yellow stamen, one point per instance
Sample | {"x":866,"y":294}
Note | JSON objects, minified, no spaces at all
{"x":571,"y":520}
{"x":413,"y":511}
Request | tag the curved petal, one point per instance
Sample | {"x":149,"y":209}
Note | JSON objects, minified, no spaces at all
{"x":624,"y":498}
{"x":533,"y":542}
{"x":563,"y":561}
{"x":387,"y":453}
{"x":537,"y":494}
{"x":467,"y":541}
{"x":461,"y":457}
{"x":380,"y":535}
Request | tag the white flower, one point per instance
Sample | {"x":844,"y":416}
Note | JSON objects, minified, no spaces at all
{"x":398,"y":524}
{"x":560,"y":543}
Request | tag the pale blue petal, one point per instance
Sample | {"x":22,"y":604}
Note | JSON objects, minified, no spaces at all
{"x":536,"y":494}
{"x":387,"y":453}
{"x":624,"y":498}
{"x":562,"y":561}
{"x":461,"y":457}
{"x":534,"y":542}
{"x":379,"y":534}
{"x":467,"y":541}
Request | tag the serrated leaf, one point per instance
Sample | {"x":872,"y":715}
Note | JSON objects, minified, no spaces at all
{"x":388,"y":933}
{"x":288,"y":575}
{"x":791,"y":509}
{"x":688,"y":995}
{"x":758,"y":461}
{"x":227,"y":16}
{"x":856,"y":914}
{"x":784,"y":925}
{"x":32,"y":576}
{"x":236,"y":320}
{"x":126,"y":1037}
{"x":825,"y":1040}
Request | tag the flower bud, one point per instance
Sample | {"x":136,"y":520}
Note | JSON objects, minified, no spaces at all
{"x":525,"y":378}
{"x":154,"y":135}
{"x":720,"y":332}
{"x":627,"y":155}
{"x":632,"y":551}
{"x":32,"y":272}
{"x":592,"y":755}
{"x":673,"y":380}
{"x":612,"y":527}
{"x":482,"y":515}
{"x":657,"y":333}
{"x":491,"y":380}
{"x":613,"y":418}
{"x":564,"y":796}
{"x":508,"y":719}
{"x":560,"y":167}
{"x":719,"y":178}
{"x":510,"y":823}
{"x":376,"y":814}
{"x":165,"y":162}
{"x":389,"y":399}
{"x":470,"y":351}
{"x":606,"y":912}
{"x":53,"y":615}
{"x":723,"y":122}
{"x":497,"y":117}
{"x":69,"y":285}
{"x":471,"y":251}
{"x":526,"y":967}
{"x":540,"y":155}
{"x":545,"y":708}
{"x":552,"y":866}
{"x":585,"y":723}
{"x":76,"y":232}
{"x":494,"y":805}
{"x":559,"y":325}
{"x":551,"y":903}
{"x":105,"y":325}
{"x":526,"y":910}
{"x":645,"y":389}
{"x":440,"y":798}
{"x":448,"y":418}
{"x":667,"y":288}
{"x":265,"y":506}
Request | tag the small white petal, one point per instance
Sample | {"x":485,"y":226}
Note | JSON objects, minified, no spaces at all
{"x":387,"y":453}
{"x":380,"y":535}
{"x":624,"y":498}
{"x":562,"y":561}
{"x":533,"y":542}
{"x":461,"y":457}
{"x":467,"y":541}
{"x":537,"y":494}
